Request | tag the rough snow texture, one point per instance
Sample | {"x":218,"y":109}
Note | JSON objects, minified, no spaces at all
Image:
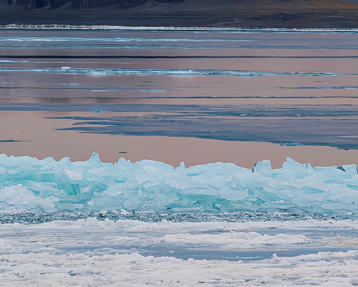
{"x":106,"y":253}
{"x":322,"y":269}
{"x":29,"y":184}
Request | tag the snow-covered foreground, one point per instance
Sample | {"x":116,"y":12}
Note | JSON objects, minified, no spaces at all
{"x":106,"y":253}
{"x":47,"y":269}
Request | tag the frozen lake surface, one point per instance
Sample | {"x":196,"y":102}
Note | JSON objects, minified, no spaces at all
{"x":107,"y":253}
{"x":174,"y":104}
{"x":172,"y":96}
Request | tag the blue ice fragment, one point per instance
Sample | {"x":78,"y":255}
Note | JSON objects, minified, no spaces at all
{"x":351,"y":168}
{"x":95,"y":161}
{"x":292,"y":144}
{"x":99,"y":111}
{"x":293,"y":168}
{"x":262,"y":167}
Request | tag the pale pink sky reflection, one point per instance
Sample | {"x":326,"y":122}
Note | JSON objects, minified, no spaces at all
{"x":44,"y":141}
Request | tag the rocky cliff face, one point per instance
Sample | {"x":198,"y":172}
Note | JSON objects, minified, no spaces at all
{"x":97,"y":3}
{"x":169,"y":1}
{"x":57,"y":3}
{"x":52,"y":4}
{"x":34,"y":4}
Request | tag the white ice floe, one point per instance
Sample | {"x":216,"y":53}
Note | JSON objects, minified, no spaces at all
{"x":107,"y":235}
{"x":133,"y":253}
{"x":48,"y":269}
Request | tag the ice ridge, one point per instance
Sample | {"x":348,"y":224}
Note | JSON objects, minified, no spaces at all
{"x":31,"y":185}
{"x":170,"y":72}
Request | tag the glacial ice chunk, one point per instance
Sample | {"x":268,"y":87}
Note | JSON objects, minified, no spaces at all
{"x":293,"y":168}
{"x":263,"y":167}
{"x":350,"y":168}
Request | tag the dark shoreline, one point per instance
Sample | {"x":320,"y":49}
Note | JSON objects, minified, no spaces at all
{"x":196,"y":13}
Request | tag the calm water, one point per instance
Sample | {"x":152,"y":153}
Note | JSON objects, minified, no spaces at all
{"x":172,"y":96}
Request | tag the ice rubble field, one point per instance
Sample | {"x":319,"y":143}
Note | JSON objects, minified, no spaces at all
{"x":103,"y":253}
{"x":29,"y":184}
{"x":274,"y":242}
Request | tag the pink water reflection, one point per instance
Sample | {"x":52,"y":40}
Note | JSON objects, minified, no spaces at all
{"x":43,"y":141}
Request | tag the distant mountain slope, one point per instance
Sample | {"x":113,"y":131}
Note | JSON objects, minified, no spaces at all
{"x":221,"y":13}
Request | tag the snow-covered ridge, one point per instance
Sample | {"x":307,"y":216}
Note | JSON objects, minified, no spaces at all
{"x":155,"y":28}
{"x":29,"y":184}
{"x":171,"y":72}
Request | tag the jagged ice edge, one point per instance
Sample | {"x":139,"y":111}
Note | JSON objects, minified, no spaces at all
{"x":31,"y":185}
